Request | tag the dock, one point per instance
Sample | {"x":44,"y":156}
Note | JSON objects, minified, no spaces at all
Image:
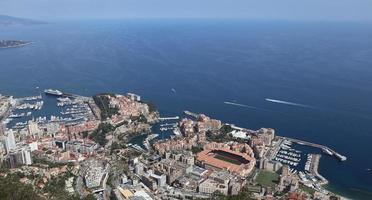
{"x":314,"y":169}
{"x":236,"y":127}
{"x":169,"y":118}
{"x":191,"y":114}
{"x":322,"y":147}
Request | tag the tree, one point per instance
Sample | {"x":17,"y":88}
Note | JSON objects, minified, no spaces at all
{"x":90,"y":197}
{"x":11,"y":188}
{"x":103,"y":103}
{"x":196,"y":150}
{"x":225,"y":129}
{"x":99,"y":135}
{"x":85,"y":134}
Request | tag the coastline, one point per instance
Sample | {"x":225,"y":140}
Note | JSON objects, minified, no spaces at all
{"x":322,"y":133}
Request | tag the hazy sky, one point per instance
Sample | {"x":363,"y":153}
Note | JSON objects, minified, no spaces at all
{"x":340,"y":10}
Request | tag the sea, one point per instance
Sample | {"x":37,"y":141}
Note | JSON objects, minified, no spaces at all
{"x":307,"y":80}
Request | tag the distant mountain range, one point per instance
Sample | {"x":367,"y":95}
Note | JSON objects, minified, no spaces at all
{"x":9,"y":21}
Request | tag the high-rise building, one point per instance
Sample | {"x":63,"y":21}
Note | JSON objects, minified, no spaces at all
{"x":9,"y":140}
{"x":2,"y":129}
{"x":19,"y":156}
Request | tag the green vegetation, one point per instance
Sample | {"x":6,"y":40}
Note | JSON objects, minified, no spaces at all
{"x":225,"y":129}
{"x":219,"y":137}
{"x":99,"y":135}
{"x":222,"y":135}
{"x":121,"y":124}
{"x":306,"y":189}
{"x":39,"y":162}
{"x":267,"y":179}
{"x":140,"y":119}
{"x":11,"y":188}
{"x":85,"y":134}
{"x":114,"y":147}
{"x":244,"y":194}
{"x":152,"y":107}
{"x":196,"y":150}
{"x":56,"y":188}
{"x":103,"y":103}
{"x":90,"y":197}
{"x":4,"y":168}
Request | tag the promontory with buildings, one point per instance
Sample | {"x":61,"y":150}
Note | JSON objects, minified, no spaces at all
{"x":12,"y":43}
{"x":113,"y":146}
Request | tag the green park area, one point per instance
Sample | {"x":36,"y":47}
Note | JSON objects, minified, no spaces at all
{"x":267,"y":178}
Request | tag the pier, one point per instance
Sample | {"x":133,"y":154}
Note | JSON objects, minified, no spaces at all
{"x":236,"y":127}
{"x":322,"y":147}
{"x":314,"y":169}
{"x":169,"y":118}
{"x":191,"y":114}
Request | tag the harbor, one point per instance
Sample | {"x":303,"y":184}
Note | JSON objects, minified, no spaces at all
{"x":325,"y":149}
{"x":303,"y":162}
{"x":47,"y":108}
{"x":287,"y":155}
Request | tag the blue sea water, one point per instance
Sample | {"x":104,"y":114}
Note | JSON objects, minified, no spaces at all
{"x":325,"y":67}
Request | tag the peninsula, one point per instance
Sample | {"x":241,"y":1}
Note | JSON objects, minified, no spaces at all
{"x":13,"y":43}
{"x":6,"y":20}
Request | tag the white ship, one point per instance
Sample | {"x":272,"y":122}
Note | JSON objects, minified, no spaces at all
{"x":53,"y":92}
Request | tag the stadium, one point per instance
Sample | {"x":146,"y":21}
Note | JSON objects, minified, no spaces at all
{"x":224,"y":158}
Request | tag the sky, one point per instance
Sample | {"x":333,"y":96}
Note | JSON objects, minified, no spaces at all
{"x":317,"y":10}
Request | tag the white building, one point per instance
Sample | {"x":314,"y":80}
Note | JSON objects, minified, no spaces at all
{"x":33,"y":146}
{"x":210,"y":186}
{"x":239,"y":134}
{"x":26,"y":155}
{"x":20,"y":156}
{"x":134,"y":97}
{"x":33,"y":128}
{"x":9,"y":140}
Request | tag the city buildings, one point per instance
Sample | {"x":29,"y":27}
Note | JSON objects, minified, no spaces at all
{"x":173,"y":169}
{"x":209,"y":186}
{"x":21,"y":155}
{"x":288,"y":180}
{"x":205,"y":157}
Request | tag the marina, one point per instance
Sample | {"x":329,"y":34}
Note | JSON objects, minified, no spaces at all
{"x":146,"y":142}
{"x":325,"y":149}
{"x":306,"y":169}
{"x":44,"y":109}
{"x":287,"y":155}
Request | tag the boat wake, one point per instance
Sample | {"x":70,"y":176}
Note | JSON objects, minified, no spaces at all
{"x":288,"y":103}
{"x":242,"y":105}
